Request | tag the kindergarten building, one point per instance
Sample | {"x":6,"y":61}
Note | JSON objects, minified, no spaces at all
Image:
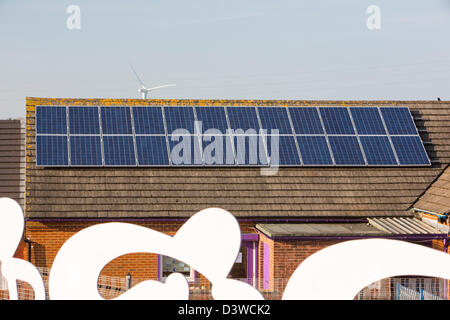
{"x":345,"y":170}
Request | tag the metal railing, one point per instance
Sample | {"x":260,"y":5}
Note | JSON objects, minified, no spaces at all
{"x":404,"y":288}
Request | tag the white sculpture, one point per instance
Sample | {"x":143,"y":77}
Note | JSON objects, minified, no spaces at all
{"x":11,"y":229}
{"x":209,"y":242}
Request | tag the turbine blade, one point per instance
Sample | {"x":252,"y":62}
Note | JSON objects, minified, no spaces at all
{"x":137,"y":76}
{"x":166,"y":85}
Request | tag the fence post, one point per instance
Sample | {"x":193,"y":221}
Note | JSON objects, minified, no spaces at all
{"x":397,"y":291}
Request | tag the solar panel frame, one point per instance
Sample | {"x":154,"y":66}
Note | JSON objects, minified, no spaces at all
{"x":202,"y":113}
{"x":337,"y":121}
{"x":270,"y":114}
{"x":227,"y":147}
{"x":140,"y":116}
{"x":75,"y":123}
{"x":234,"y":120}
{"x":74,"y":145}
{"x":306,"y":156}
{"x":392,"y":122}
{"x":389,"y":136}
{"x":260,"y":142}
{"x":373,"y":154}
{"x":336,"y":148}
{"x":294,"y":150}
{"x":140,"y":154}
{"x":312,"y":125}
{"x":419,"y":144}
{"x":357,"y":136}
{"x":54,"y":127}
{"x":106,"y":153}
{"x":64,"y":155}
{"x":357,"y":133}
{"x":112,"y":120}
{"x":366,"y":126}
{"x":175,"y":119}
{"x":195,"y":143}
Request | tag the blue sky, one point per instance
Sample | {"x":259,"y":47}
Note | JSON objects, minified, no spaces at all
{"x":251,"y":49}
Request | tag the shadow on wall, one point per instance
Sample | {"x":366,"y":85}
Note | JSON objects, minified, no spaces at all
{"x":38,"y":255}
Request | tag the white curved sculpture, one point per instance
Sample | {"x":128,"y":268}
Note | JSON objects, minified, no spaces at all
{"x":342,"y":270}
{"x":209,"y":242}
{"x":11,"y":229}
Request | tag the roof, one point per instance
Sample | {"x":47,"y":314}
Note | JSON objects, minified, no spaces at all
{"x":402,"y":226}
{"x":318,"y":229}
{"x":437,"y":197}
{"x":12,"y":160}
{"x":245,"y":192}
{"x":377,"y":227}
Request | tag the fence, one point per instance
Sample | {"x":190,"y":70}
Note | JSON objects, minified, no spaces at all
{"x":419,"y":289}
{"x":405,"y":288}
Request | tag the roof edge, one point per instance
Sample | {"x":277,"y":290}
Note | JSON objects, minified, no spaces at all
{"x":75,"y":101}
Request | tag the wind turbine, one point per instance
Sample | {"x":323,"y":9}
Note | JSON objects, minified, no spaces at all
{"x":143,"y":89}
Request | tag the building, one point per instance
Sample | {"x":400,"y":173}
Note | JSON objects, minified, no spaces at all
{"x":12,"y":170}
{"x":284,"y":217}
{"x":12,"y":159}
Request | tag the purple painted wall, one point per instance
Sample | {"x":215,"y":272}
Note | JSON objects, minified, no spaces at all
{"x":266,"y":271}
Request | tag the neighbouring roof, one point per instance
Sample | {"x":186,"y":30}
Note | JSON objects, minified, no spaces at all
{"x":402,"y":226}
{"x":245,"y":192}
{"x":318,"y":230}
{"x":12,"y":159}
{"x":437,"y":198}
{"x":376,"y":227}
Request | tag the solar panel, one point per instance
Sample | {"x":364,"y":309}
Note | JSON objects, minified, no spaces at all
{"x":119,"y":151}
{"x":346,"y":150}
{"x":314,"y":150}
{"x":305,"y":120}
{"x":410,"y":150}
{"x":378,"y":150}
{"x":152,"y":150}
{"x":85,"y":151}
{"x":51,"y":151}
{"x":356,"y":136}
{"x":179,"y":118}
{"x":282,"y":151}
{"x":250,"y":150}
{"x":275,"y":118}
{"x":398,"y":120}
{"x":51,"y":120}
{"x":217,"y":150}
{"x":337,"y":120}
{"x":367,"y":120}
{"x":148,"y":120}
{"x":83,"y":120}
{"x":185,"y":150}
{"x":244,"y":119}
{"x":212,"y":118}
{"x":116,"y":120}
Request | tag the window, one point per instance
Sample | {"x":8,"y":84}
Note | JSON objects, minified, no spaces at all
{"x":170,"y":265}
{"x":404,"y":282}
{"x":420,"y":284}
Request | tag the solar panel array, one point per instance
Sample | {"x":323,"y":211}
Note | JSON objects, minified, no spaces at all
{"x":227,"y":136}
